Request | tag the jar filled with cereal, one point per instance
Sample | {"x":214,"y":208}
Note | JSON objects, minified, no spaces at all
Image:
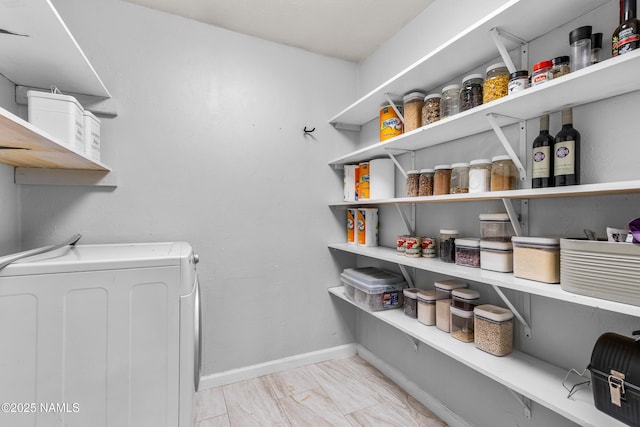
{"x":412,"y":106}
{"x":431,"y":108}
{"x":496,"y":84}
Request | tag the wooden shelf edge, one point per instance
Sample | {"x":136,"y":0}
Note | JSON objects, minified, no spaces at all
{"x":72,"y":177}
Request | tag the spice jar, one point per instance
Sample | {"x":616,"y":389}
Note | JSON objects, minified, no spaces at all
{"x":431,"y":109}
{"x":412,"y":103}
{"x":413,"y":183}
{"x":493,"y":329}
{"x":541,"y":72}
{"x":443,"y":301}
{"x":448,"y":245}
{"x":459,"y":178}
{"x":450,"y":101}
{"x":479,"y":175}
{"x":503,"y":173}
{"x":518,"y":81}
{"x":425,"y":186}
{"x":427,"y":307}
{"x":411,"y":302}
{"x":471,"y":92}
{"x":560,"y":66}
{"x":441,"y":180}
{"x":496,"y":85}
{"x":468,"y":252}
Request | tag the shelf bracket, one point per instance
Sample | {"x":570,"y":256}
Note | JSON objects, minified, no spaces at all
{"x":393,"y":105}
{"x":406,"y":275}
{"x":516,"y":313}
{"x":505,"y":143}
{"x":407,"y":222}
{"x":513,"y":216}
{"x":498,"y":37}
{"x":525,"y":402}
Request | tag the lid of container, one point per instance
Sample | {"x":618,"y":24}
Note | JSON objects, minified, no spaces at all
{"x":433,"y":95}
{"x":561,"y":60}
{"x":496,"y":245}
{"x":471,"y":77}
{"x":56,"y":96}
{"x":459,"y":165}
{"x":480,"y":162}
{"x":535,"y":241}
{"x":427,"y":170}
{"x":411,"y":293}
{"x":496,"y":65}
{"x":439,"y":167}
{"x":500,"y":157}
{"x":413,"y":95}
{"x":494,"y":217}
{"x":372,"y":289}
{"x":493,"y":312}
{"x":460,"y":312}
{"x":518,"y":74}
{"x":465,"y":293}
{"x":413,"y":171}
{"x":596,"y":41}
{"x":427,"y":295}
{"x":373,"y":275}
{"x":470,"y":242}
{"x":542,"y":64}
{"x":579,"y":34}
{"x":449,"y":231}
{"x":450,"y":87}
{"x":450,"y":284}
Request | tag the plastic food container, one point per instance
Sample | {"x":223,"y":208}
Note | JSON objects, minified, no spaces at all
{"x":464,"y":299}
{"x":496,"y":85}
{"x":479,"y":175}
{"x":413,"y":103}
{"x":372,"y":288}
{"x":442,"y":179}
{"x":425,"y":185}
{"x":462,"y":324}
{"x":91,"y":136}
{"x":450,"y":101}
{"x":448,"y":245}
{"x":411,"y":302}
{"x":413,"y":183}
{"x":496,"y":227}
{"x":467,"y":252}
{"x":503,"y":173}
{"x":496,"y":256}
{"x":427,"y":307}
{"x":459,"y":178}
{"x":471,"y":92}
{"x":541,"y":72}
{"x":59,"y":115}
{"x":443,"y":301}
{"x":537,"y":258}
{"x":431,"y":108}
{"x":493,"y":329}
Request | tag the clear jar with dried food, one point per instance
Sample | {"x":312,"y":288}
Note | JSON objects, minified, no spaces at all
{"x":443,"y":301}
{"x":471,"y":92}
{"x":431,"y":108}
{"x":412,"y":106}
{"x":427,"y":307}
{"x":450,"y":101}
{"x":441,"y":180}
{"x":411,"y":302}
{"x":503,"y":173}
{"x":560,"y":66}
{"x":448,"y":245}
{"x":461,"y":324}
{"x":493,"y":329}
{"x":468,"y":252}
{"x":413,"y":183}
{"x":425,"y":187}
{"x":459,"y":178}
{"x":496,"y":84}
{"x":479,"y":175}
{"x":541,"y":73}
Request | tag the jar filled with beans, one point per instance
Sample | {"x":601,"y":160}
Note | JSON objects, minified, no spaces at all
{"x":425,"y":186}
{"x":413,"y":183}
{"x":412,"y":106}
{"x":496,"y":84}
{"x":471,"y":92}
{"x":431,"y":108}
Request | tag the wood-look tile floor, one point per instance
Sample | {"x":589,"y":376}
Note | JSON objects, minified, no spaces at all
{"x":342,"y":392}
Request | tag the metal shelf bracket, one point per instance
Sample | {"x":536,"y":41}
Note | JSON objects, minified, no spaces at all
{"x":525,"y":402}
{"x":498,"y":37}
{"x":516,"y":313}
{"x":507,"y":146}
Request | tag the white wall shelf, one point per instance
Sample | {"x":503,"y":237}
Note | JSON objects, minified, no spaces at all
{"x":526,"y":375}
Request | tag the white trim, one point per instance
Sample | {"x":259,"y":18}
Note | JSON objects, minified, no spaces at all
{"x":273,"y":366}
{"x":413,"y":389}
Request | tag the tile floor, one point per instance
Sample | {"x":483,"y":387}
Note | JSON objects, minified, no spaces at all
{"x":342,"y":392}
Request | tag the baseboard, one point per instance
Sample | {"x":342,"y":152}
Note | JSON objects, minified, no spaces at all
{"x":279,"y":365}
{"x":412,"y":388}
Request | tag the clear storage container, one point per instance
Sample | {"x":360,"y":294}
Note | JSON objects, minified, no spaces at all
{"x":411,"y":302}
{"x":518,"y":81}
{"x":465,"y":299}
{"x":425,"y":186}
{"x":467,"y":252}
{"x":412,"y":103}
{"x":493,"y":329}
{"x":450,"y":101}
{"x":537,"y":258}
{"x":442,"y":180}
{"x":372,"y":288}
{"x":496,"y":84}
{"x":541,"y":72}
{"x":462,"y":324}
{"x":560,"y":66}
{"x":496,"y":226}
{"x":443,"y":301}
{"x":413,"y":183}
{"x":459,"y":178}
{"x":503,"y":173}
{"x":431,"y":108}
{"x":471,"y":92}
{"x":448,"y":245}
{"x":496,"y":256}
{"x":427,"y":307}
{"x":479,"y":175}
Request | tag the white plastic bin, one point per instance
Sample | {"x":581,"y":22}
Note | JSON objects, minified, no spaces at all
{"x":372,"y":288}
{"x":61,"y":116}
{"x":91,"y":136}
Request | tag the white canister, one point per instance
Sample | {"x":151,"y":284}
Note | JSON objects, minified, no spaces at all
{"x":91,"y":136}
{"x":496,"y":256}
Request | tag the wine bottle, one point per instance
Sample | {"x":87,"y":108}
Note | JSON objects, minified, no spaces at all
{"x":566,"y":150}
{"x":542,"y":175}
{"x":629,"y":30}
{"x":616,"y":32}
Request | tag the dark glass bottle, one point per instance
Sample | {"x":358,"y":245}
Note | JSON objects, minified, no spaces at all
{"x":614,"y":37}
{"x":542,"y":174}
{"x":629,"y":30}
{"x":566,"y":161}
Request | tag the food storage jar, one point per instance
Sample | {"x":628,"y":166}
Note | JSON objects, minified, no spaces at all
{"x":441,"y":180}
{"x":496,"y":84}
{"x":413,"y":247}
{"x":465,"y":299}
{"x":503,"y":173}
{"x":425,"y":186}
{"x":428,"y":247}
{"x":479,"y":175}
{"x":413,"y":183}
{"x":390,"y":123}
{"x":411,"y":302}
{"x":580,"y":42}
{"x":471,"y":92}
{"x":412,"y":107}
{"x":596,"y":47}
{"x":468,"y":252}
{"x":448,"y":245}
{"x":541,"y":72}
{"x":537,"y":258}
{"x":443,"y":301}
{"x":450,"y":101}
{"x":431,"y":108}
{"x":518,"y":81}
{"x":427,"y":307}
{"x":496,"y":226}
{"x":459,"y":178}
{"x":493,"y":329}
{"x":560,"y":66}
{"x":496,"y":256}
{"x":461,"y":324}
{"x":373,"y":288}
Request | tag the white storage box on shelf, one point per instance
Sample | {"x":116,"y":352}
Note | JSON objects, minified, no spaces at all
{"x":91,"y":136}
{"x":372,"y":288}
{"x":59,"y":115}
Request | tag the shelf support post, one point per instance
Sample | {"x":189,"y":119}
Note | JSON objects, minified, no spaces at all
{"x":407,"y":223}
{"x":513,"y":216}
{"x":505,"y":143}
{"x":516,"y":313}
{"x":525,"y":402}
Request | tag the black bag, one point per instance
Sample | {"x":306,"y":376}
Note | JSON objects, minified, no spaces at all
{"x":615,"y":377}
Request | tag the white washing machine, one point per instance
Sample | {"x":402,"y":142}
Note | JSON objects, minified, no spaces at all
{"x":100,"y":335}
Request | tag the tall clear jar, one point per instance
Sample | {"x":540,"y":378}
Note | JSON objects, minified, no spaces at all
{"x":450,"y":101}
{"x":448,"y":245}
{"x":496,"y":84}
{"x":441,"y":180}
{"x":413,"y":183}
{"x":479,"y":175}
{"x":580,"y":41}
{"x":471,"y":92}
{"x":503,"y":173}
{"x":431,"y":108}
{"x":425,"y":186}
{"x":412,"y":106}
{"x":459,"y":178}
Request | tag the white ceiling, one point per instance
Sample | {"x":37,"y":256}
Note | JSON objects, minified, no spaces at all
{"x":347,"y":29}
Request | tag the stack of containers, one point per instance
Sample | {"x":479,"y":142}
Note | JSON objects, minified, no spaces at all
{"x":463,"y":301}
{"x":443,"y":302}
{"x":372,"y":288}
{"x":496,"y":250}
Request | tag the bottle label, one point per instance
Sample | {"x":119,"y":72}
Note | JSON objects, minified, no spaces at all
{"x":627,"y":40}
{"x":541,"y":162}
{"x":564,"y":163}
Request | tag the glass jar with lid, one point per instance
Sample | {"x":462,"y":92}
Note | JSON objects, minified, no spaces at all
{"x":413,"y":183}
{"x":448,"y":245}
{"x":479,"y":175}
{"x":541,"y":72}
{"x":503,"y":173}
{"x":471,"y":92}
{"x":412,"y":106}
{"x":425,"y":186}
{"x":560,"y":66}
{"x":431,"y":108}
{"x":441,"y":180}
{"x":459,"y":178}
{"x":496,"y":84}
{"x":518,"y":81}
{"x":450,"y":101}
